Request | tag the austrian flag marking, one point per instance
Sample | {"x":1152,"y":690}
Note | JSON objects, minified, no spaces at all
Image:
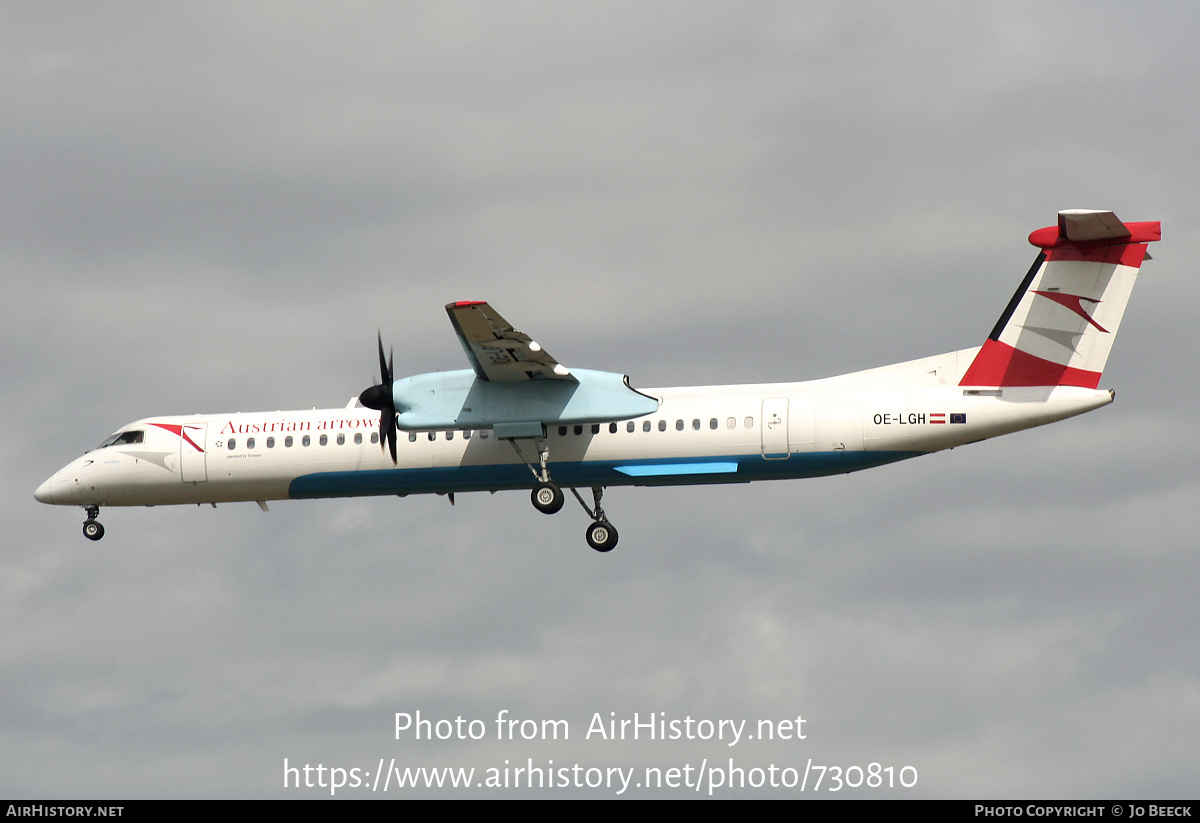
{"x":941,"y":417}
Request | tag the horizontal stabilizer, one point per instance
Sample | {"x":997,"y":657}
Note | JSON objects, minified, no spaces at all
{"x":1084,"y":226}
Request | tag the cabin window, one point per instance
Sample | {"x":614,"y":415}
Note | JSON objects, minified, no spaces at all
{"x":696,"y":424}
{"x":749,"y":422}
{"x":306,"y":440}
{"x":358,"y":438}
{"x":731,"y":423}
{"x":612,"y":428}
{"x":432,"y":436}
{"x":374,"y":438}
{"x":449,"y":435}
{"x":270,"y":442}
{"x":562,"y":431}
{"x":324,"y":440}
{"x":646,"y":426}
{"x":231,"y":443}
{"x":579,"y":430}
{"x":341,"y":439}
{"x":287,"y":442}
{"x":249,"y":442}
{"x":712,"y":424}
{"x":678,"y":425}
{"x":412,"y":437}
{"x":629,"y":426}
{"x":466,"y":434}
{"x":595,"y":428}
{"x":662,"y":425}
{"x":483,"y":434}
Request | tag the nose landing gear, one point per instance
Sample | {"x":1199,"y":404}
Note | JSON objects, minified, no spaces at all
{"x":92,"y":529}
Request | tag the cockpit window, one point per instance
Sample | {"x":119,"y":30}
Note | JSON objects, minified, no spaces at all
{"x":124,"y":438}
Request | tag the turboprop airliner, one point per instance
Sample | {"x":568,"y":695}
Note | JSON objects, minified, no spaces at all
{"x":519,"y":419}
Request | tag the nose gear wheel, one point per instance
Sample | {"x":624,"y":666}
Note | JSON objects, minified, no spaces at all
{"x":92,"y":529}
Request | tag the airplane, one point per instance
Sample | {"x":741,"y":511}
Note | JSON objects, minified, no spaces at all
{"x":519,"y":419}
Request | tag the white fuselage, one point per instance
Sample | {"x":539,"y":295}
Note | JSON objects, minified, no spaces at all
{"x":701,"y":434}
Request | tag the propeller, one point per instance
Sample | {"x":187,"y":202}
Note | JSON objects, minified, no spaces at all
{"x":379,"y":397}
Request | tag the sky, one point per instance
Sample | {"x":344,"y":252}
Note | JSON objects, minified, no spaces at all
{"x":214,"y":207}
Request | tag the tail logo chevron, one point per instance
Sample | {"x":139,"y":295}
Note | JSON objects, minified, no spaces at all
{"x":1071,"y":301}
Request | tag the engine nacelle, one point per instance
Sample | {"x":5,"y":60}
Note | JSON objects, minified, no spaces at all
{"x":461,"y":400}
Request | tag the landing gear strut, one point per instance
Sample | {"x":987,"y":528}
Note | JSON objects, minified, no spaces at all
{"x":92,"y":529}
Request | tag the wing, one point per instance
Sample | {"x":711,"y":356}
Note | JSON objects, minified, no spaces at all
{"x":498,"y":352}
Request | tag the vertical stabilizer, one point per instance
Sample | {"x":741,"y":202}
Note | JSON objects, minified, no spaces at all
{"x":1059,"y":327}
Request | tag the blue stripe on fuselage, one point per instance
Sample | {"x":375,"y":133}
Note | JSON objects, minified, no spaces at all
{"x":660,"y":469}
{"x":678,"y":471}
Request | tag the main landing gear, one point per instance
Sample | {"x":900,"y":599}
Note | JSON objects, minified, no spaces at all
{"x":92,"y":529}
{"x":548,"y":498}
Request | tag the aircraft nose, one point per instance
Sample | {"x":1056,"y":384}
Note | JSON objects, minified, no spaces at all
{"x":56,"y":489}
{"x":44,"y":493}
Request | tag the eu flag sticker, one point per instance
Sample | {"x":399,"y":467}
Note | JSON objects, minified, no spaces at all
{"x":958,"y":418}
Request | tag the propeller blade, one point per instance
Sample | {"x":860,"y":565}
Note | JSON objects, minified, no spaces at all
{"x":388,"y":424}
{"x":385,"y":371}
{"x":379,"y":397}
